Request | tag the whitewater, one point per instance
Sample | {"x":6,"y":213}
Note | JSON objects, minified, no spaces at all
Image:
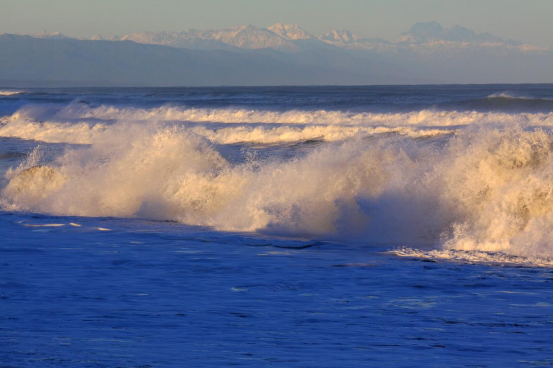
{"x":365,"y":201}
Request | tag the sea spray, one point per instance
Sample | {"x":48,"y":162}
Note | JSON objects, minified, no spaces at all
{"x":484,"y":188}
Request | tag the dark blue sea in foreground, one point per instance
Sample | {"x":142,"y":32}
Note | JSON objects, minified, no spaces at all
{"x":384,"y":226}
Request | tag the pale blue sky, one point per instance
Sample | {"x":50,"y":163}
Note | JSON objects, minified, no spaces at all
{"x":523,"y":20}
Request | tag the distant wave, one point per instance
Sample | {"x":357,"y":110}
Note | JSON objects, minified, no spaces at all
{"x":508,"y":103}
{"x":237,"y":115}
{"x":9,"y":93}
{"x":508,"y":95}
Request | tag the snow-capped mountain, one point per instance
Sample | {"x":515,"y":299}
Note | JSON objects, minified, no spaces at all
{"x":189,"y":39}
{"x":432,"y":40}
{"x":251,"y":37}
{"x":433,"y":31}
{"x":421,"y":38}
{"x":280,"y":37}
{"x":340,"y":37}
{"x":242,"y":37}
{"x":290,"y":32}
{"x":345,"y":39}
{"x":50,"y":35}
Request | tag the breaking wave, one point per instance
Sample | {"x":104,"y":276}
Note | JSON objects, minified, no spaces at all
{"x":83,"y":124}
{"x":483,"y":189}
{"x":482,"y":184}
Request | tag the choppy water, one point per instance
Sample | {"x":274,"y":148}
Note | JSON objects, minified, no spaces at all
{"x":323,"y":226}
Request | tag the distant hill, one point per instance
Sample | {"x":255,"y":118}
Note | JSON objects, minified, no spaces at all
{"x":25,"y":60}
{"x":277,"y":55}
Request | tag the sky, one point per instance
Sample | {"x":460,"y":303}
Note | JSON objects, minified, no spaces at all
{"x":522,"y":20}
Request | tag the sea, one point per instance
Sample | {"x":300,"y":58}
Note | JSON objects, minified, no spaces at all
{"x":319,"y":226}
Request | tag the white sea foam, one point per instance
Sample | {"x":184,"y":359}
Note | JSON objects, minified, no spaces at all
{"x":476,"y":257}
{"x":76,"y":133}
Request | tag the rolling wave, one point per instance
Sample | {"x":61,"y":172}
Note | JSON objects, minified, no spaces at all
{"x":237,"y":115}
{"x":87,"y":133}
{"x":10,"y":93}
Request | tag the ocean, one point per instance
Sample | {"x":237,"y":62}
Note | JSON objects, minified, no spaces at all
{"x":324,"y":226}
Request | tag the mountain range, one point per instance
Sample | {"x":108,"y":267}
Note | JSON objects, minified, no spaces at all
{"x":279,"y":54}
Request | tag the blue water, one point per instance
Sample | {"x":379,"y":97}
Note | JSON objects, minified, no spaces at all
{"x":276,"y":227}
{"x":357,"y":98}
